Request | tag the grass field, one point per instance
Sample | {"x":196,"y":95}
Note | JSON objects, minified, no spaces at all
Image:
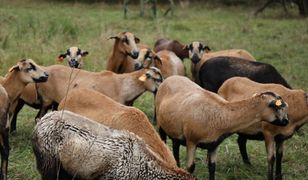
{"x":43,"y":30}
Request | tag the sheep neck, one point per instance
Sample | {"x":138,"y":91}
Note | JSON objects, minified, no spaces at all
{"x":241,"y":114}
{"x":131,"y":86}
{"x":13,"y":85}
{"x":296,"y":100}
{"x":116,"y":59}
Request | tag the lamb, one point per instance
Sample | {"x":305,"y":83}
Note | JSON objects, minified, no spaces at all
{"x":238,"y":88}
{"x":69,"y":146}
{"x":166,"y":61}
{"x":125,"y":49}
{"x":171,"y":45}
{"x":26,"y":71}
{"x":105,"y":110}
{"x":123,"y":88}
{"x":194,"y":117}
{"x":216,"y":70}
{"x":199,"y":53}
{"x":74,"y":57}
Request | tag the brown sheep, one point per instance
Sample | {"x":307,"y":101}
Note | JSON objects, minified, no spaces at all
{"x":123,"y":88}
{"x":168,"y":63}
{"x":171,"y":45}
{"x":26,"y":71}
{"x":103,"y":109}
{"x":193,"y":116}
{"x":70,"y":146}
{"x":125,"y":50}
{"x":199,"y":53}
{"x":238,"y":88}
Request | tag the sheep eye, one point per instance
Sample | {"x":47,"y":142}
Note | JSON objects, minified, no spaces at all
{"x":148,"y":75}
{"x":125,"y":40}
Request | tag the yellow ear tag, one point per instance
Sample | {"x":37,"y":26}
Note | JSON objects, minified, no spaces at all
{"x":142,"y":78}
{"x":278,"y":103}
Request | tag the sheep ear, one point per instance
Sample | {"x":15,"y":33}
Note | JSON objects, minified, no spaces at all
{"x":113,"y":37}
{"x":186,"y":47}
{"x":207,"y":49}
{"x":85,"y":53}
{"x":16,"y":67}
{"x":61,"y":57}
{"x":157,"y":58}
{"x":137,"y":40}
{"x":142,"y":78}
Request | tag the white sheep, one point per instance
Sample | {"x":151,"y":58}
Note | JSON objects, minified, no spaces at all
{"x":67,"y":146}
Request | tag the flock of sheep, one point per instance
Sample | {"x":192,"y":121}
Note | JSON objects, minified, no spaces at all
{"x":97,"y":134}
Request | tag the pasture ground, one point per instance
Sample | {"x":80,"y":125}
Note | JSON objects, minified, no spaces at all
{"x":42,"y":30}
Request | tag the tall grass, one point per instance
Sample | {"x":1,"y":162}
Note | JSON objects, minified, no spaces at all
{"x":43,"y":30}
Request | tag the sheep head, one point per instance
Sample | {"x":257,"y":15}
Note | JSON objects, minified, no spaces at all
{"x":276,"y":114}
{"x":29,"y":71}
{"x":196,"y":50}
{"x":126,"y":43}
{"x":146,"y":59}
{"x":152,"y":79}
{"x":73,"y":56}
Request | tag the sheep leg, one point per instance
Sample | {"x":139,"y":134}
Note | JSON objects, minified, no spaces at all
{"x":176,"y":151}
{"x":191,"y":150}
{"x":43,"y":110}
{"x":4,"y":150}
{"x":241,"y":141}
{"x":211,"y":163}
{"x":19,"y":106}
{"x":269,"y":143}
{"x":162,"y":134}
{"x":279,"y":154}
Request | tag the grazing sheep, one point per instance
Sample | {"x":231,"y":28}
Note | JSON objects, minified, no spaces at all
{"x":103,"y":109}
{"x":195,"y":117}
{"x":74,"y":57}
{"x":238,"y":88}
{"x":125,"y":49}
{"x":171,"y":45}
{"x":123,"y":88}
{"x":26,"y":71}
{"x":70,"y":146}
{"x":168,"y":63}
{"x":199,"y":53}
{"x":216,"y":70}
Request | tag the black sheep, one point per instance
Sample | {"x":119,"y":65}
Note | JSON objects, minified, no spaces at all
{"x":216,"y":70}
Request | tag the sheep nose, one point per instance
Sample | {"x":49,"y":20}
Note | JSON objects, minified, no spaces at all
{"x":135,"y":54}
{"x":195,"y":59}
{"x":137,"y":66}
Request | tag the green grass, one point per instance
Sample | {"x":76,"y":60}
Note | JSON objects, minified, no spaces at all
{"x":43,"y":30}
